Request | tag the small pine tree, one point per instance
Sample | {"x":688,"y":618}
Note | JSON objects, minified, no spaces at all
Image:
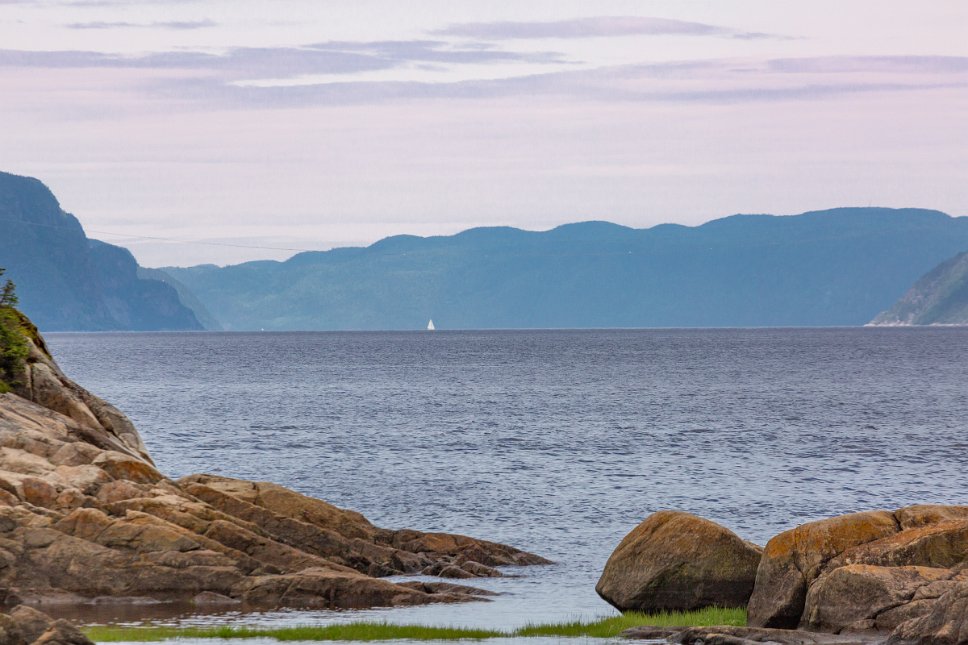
{"x":13,"y":344}
{"x":8,"y":293}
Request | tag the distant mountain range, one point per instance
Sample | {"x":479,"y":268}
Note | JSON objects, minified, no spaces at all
{"x":940,"y":297}
{"x":67,"y":282}
{"x":834,"y":267}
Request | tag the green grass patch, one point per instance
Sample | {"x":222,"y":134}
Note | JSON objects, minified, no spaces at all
{"x":369,"y":631}
{"x":615,"y":625}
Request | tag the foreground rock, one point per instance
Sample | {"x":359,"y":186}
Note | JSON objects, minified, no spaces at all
{"x":865,"y":571}
{"x":728,"y":635}
{"x":876,"y":576}
{"x":945,"y":624}
{"x":85,"y":515}
{"x":26,"y":626}
{"x":675,"y":561}
{"x":793,"y":559}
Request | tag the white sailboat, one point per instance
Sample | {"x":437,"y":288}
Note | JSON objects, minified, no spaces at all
{"x":430,"y":325}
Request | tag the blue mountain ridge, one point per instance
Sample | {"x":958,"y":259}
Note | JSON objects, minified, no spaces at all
{"x":833,"y":267}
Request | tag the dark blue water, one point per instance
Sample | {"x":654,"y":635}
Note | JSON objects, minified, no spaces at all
{"x":557,"y":442}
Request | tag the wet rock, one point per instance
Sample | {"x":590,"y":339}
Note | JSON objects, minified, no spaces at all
{"x":457,"y":569}
{"x":480,"y":570}
{"x":210,"y":598}
{"x":677,"y":561}
{"x":446,"y":588}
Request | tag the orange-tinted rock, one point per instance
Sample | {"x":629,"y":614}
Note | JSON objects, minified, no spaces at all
{"x":38,"y":492}
{"x":927,"y":514}
{"x":291,"y":504}
{"x":793,"y":559}
{"x":121,"y":466}
{"x":944,"y":544}
{"x":677,"y":561}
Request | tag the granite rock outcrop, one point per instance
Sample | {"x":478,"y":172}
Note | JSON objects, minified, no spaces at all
{"x":86,"y":516}
{"x":871,"y":577}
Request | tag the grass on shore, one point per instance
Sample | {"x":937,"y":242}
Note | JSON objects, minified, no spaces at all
{"x":369,"y":631}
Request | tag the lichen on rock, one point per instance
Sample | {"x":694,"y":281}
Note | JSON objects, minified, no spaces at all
{"x":675,"y":561}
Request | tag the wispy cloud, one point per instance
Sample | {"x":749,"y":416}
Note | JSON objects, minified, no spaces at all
{"x":872,"y":64}
{"x":712,"y":82}
{"x":351,"y":72}
{"x":282,"y":62}
{"x":593,"y":27}
{"x":171,"y":24}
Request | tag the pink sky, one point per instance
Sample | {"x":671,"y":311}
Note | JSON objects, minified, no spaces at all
{"x":304,"y":125}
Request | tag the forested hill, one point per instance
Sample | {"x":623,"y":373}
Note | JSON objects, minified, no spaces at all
{"x":834,"y":267}
{"x":940,"y":297}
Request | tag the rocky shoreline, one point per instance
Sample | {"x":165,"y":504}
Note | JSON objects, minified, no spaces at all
{"x":85,"y":517}
{"x":897,"y":577}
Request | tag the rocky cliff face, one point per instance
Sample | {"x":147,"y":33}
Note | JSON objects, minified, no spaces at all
{"x":940,"y":297}
{"x":85,"y":515}
{"x":70,"y":283}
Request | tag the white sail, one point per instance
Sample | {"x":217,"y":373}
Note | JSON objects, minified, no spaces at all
{"x":430,"y":325}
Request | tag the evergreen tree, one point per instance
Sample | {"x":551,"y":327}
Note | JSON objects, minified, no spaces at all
{"x":8,"y":293}
{"x":13,"y":344}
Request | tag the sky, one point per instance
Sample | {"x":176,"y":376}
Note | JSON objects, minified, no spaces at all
{"x":196,"y":131}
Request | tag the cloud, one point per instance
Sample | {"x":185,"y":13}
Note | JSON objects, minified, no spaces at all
{"x":339,"y":73}
{"x":173,"y":24}
{"x":871,"y":64}
{"x":712,"y":82}
{"x":593,"y":27}
{"x":281,"y":62}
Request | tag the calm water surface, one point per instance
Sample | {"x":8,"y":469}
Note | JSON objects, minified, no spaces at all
{"x":556,"y":442}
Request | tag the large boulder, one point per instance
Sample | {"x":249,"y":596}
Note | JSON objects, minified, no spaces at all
{"x":677,"y":561}
{"x":794,"y":559}
{"x":876,"y":570}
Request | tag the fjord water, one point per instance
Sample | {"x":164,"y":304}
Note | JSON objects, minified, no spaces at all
{"x":558,"y":442}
